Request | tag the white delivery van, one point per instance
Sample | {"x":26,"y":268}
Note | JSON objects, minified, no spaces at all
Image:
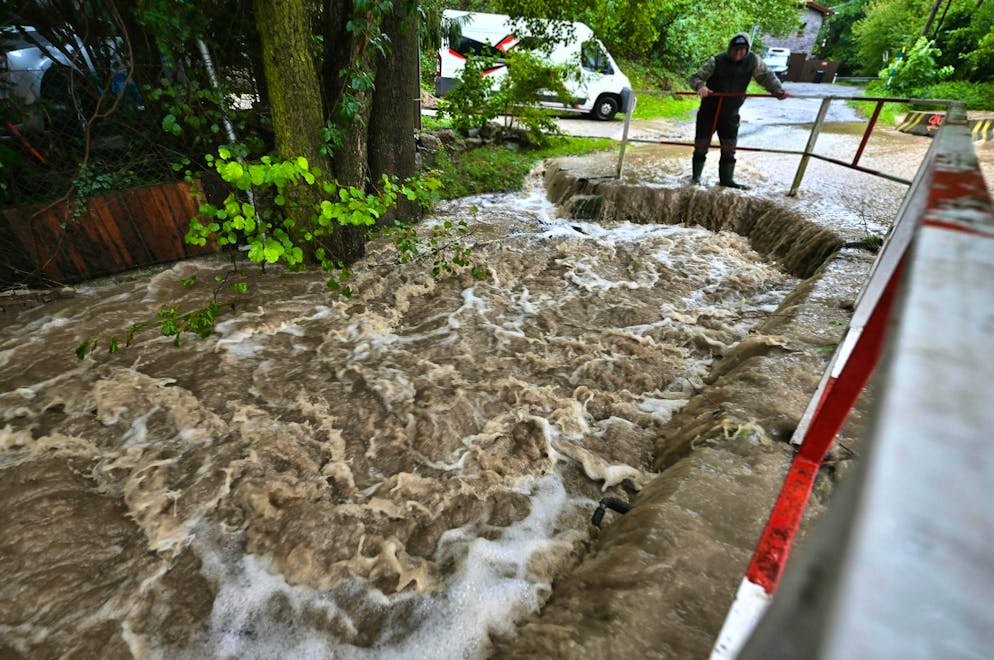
{"x":778,"y":61}
{"x":600,"y":88}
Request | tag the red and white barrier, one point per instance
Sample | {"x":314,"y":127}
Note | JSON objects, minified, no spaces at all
{"x":949,"y":197}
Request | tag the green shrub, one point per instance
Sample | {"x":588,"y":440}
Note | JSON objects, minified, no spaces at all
{"x":916,"y":69}
{"x":472,"y":103}
{"x":652,"y":83}
{"x":976,"y":96}
{"x":499,"y":169}
{"x":477,"y":100}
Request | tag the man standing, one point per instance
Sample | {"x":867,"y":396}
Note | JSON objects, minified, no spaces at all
{"x":727,"y":72}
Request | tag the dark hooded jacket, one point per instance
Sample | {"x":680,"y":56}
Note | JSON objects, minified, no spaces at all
{"x":722,"y":74}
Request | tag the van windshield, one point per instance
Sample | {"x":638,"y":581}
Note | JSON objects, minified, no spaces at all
{"x":467,"y":46}
{"x":593,"y":57}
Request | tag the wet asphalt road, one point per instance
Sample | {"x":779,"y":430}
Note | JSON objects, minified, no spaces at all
{"x":799,"y":108}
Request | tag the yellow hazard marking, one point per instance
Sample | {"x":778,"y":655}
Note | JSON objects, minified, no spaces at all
{"x":982,"y":129}
{"x":911,"y":120}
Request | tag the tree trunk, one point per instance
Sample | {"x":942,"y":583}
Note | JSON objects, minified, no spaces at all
{"x":344,"y":51}
{"x":347,"y":52}
{"x":297,"y":115}
{"x":396,"y":106}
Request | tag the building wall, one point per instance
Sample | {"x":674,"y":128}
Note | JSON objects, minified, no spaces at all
{"x":803,"y":41}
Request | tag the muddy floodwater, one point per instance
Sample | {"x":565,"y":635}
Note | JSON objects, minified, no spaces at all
{"x":412,"y":471}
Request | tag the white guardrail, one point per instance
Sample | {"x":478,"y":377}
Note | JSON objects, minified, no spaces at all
{"x":902,"y":563}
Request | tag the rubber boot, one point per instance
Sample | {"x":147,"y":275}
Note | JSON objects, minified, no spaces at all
{"x":697,"y":166}
{"x":726,"y":176}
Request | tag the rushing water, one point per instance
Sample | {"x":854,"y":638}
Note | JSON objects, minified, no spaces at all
{"x":398,"y":474}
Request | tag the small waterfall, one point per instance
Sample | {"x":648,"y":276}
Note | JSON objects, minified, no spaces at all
{"x":797,"y":245}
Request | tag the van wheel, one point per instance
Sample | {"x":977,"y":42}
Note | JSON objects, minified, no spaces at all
{"x":606,"y":107}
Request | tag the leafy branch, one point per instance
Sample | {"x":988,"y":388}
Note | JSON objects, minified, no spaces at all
{"x":444,"y":246}
{"x":253,"y":215}
{"x":172,"y":322}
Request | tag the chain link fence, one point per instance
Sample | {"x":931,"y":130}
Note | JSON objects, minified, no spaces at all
{"x":57,"y":154}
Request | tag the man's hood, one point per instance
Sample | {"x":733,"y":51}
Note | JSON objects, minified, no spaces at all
{"x":740,"y":37}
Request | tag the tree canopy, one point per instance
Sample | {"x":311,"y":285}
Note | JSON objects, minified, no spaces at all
{"x":866,"y":35}
{"x":678,"y":34}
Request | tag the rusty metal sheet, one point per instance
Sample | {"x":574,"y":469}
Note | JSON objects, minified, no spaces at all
{"x":45,"y":245}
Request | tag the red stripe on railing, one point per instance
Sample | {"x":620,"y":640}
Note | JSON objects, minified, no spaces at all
{"x":939,"y":224}
{"x":771,"y":553}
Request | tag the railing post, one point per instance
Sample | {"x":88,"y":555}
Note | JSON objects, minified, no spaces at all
{"x":809,"y":148}
{"x":628,"y":103}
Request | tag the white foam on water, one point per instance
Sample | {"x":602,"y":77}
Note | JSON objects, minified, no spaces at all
{"x":662,"y":410}
{"x":239,"y":627}
{"x":236,"y":338}
{"x":488,"y":591}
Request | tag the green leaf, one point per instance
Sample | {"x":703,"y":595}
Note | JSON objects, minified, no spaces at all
{"x":255,"y":253}
{"x":302,"y":163}
{"x":232,"y":171}
{"x":258,"y":174}
{"x":170,"y":125}
{"x":273,"y":251}
{"x":84,"y":348}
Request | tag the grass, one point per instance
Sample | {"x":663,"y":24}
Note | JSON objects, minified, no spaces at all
{"x":653,"y":86}
{"x":662,"y":105}
{"x":495,"y":168}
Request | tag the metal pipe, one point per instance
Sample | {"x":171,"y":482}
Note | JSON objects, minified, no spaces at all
{"x":629,"y":101}
{"x":229,"y":130}
{"x":859,"y":168}
{"x":808,"y":149}
{"x":612,"y":503}
{"x":866,"y":133}
{"x":808,"y":153}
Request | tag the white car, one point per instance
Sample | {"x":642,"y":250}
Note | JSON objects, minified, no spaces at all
{"x":778,"y":60}
{"x":22,"y":66}
{"x":29,"y":74}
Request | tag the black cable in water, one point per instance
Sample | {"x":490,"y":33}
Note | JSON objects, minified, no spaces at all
{"x":612,"y":503}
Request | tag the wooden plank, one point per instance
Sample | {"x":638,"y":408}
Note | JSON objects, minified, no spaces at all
{"x":159,"y":228}
{"x":128,"y":229}
{"x":126,"y":224}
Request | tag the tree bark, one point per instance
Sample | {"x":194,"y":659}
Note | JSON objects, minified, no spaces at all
{"x":297,"y":112}
{"x":396,"y":106}
{"x":346,"y":50}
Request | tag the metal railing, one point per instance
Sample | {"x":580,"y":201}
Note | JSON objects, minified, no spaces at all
{"x":899,"y":565}
{"x":808,"y":153}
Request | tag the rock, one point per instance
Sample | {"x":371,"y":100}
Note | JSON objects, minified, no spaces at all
{"x":429,"y":142}
{"x":490,"y":131}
